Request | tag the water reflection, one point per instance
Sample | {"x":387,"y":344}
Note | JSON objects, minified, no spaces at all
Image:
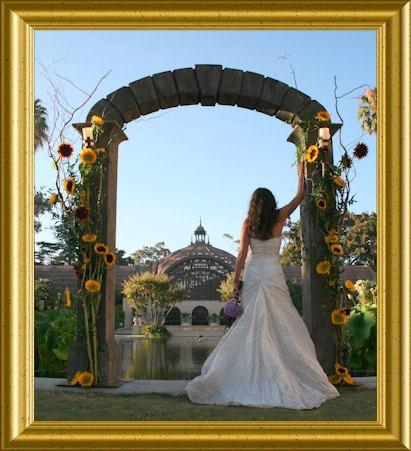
{"x":169,"y":358}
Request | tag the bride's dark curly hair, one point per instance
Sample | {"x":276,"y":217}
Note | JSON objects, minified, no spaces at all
{"x":262,"y":214}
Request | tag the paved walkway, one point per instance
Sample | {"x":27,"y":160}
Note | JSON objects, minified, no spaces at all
{"x":140,"y":386}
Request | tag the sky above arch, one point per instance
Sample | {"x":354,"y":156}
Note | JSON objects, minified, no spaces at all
{"x":184,"y":163}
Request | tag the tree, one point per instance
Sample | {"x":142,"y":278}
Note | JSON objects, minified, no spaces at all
{"x":358,"y":238}
{"x":122,"y":260}
{"x":152,"y":296}
{"x":150,"y":254}
{"x":41,"y":206}
{"x":226,"y":287}
{"x":40,"y":124}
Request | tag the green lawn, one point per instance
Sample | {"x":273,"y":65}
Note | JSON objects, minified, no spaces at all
{"x":354,"y":404}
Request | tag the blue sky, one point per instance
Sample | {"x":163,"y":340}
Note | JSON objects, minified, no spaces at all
{"x":184,"y":163}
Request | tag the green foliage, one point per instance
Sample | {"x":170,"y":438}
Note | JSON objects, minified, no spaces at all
{"x":291,"y":251}
{"x":367,"y":292}
{"x":54,"y":332}
{"x":41,"y":206}
{"x":155,"y":331}
{"x":226,"y":287}
{"x":296,"y":294}
{"x":45,"y":295}
{"x":40,"y":124}
{"x":152,"y":295}
{"x":362,"y":330}
{"x":185,"y":316}
{"x":150,"y":254}
{"x":214,"y":318}
{"x":121,"y":260}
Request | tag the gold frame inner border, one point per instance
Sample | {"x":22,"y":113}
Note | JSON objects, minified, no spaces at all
{"x":19,"y":20}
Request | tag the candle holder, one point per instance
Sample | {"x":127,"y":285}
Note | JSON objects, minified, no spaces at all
{"x":324,"y":137}
{"x":88,"y":137}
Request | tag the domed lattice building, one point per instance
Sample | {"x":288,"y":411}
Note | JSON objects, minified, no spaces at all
{"x":199,"y":268}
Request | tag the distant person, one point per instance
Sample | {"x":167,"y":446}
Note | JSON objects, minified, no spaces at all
{"x":267,"y":357}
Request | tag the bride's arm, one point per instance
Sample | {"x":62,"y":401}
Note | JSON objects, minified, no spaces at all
{"x":242,"y":255}
{"x":286,"y":211}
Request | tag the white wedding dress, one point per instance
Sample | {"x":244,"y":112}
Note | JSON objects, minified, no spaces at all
{"x":267,"y":357}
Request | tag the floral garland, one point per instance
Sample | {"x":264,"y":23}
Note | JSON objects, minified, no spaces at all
{"x":79,"y":196}
{"x":330,"y":183}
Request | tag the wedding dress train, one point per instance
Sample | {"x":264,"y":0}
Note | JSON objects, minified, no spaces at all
{"x":267,"y":357}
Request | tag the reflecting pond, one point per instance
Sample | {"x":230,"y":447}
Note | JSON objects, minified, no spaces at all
{"x":165,"y":358}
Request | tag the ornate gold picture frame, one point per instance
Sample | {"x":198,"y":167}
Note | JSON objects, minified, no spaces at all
{"x":391,"y":20}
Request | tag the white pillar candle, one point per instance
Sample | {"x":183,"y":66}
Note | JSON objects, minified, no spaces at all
{"x":324,"y":133}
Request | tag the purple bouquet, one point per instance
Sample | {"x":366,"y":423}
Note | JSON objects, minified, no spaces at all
{"x":233,"y":308}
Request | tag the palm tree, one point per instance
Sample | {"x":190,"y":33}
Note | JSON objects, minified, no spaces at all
{"x":40,"y":124}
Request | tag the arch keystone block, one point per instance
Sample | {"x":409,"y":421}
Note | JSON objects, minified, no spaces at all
{"x":104,"y":109}
{"x":166,"y":89}
{"x":187,"y":87}
{"x":146,"y":95}
{"x":125,"y":103}
{"x":293,"y":102}
{"x":251,"y":87}
{"x":271,"y":97}
{"x":230,"y":86}
{"x":208,"y":78}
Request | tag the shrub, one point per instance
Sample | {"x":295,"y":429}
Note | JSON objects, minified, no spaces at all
{"x":45,"y":295}
{"x":119,"y":313}
{"x":54,"y":332}
{"x":154,"y":331}
{"x":296,"y":293}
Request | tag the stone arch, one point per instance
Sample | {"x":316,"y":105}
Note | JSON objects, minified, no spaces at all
{"x":173,"y":318}
{"x":199,"y":316}
{"x":208,"y":85}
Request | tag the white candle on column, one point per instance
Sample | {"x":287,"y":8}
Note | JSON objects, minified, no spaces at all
{"x":88,"y":138}
{"x":324,"y":133}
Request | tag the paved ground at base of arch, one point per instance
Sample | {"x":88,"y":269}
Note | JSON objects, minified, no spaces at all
{"x":164,"y":400}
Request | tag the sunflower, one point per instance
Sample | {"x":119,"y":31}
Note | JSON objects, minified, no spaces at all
{"x":338,"y":317}
{"x":82,"y":213}
{"x":323,"y":267}
{"x":89,"y":237}
{"x":332,"y":282}
{"x":110,"y":258}
{"x":349,"y":285}
{"x":97,"y":120}
{"x":343,"y":372}
{"x":337,"y":249}
{"x":332,"y":238}
{"x":93,"y":286}
{"x":100,"y":248}
{"x":321,"y":204}
{"x":346,"y":161}
{"x":312,"y":153}
{"x":339,"y":181}
{"x":88,"y":156}
{"x":360,"y":151}
{"x":67,"y":295}
{"x":86,"y":379}
{"x":53,"y":199}
{"x":65,"y":150}
{"x":69,"y":185}
{"x":74,"y":379}
{"x":323,"y":116}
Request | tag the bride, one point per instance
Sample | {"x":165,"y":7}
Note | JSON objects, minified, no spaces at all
{"x":267,"y":357}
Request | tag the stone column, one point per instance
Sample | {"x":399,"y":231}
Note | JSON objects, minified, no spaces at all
{"x":109,"y":358}
{"x":314,"y":286}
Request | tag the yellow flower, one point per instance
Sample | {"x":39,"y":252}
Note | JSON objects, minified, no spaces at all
{"x":53,"y":198}
{"x":323,"y":116}
{"x":97,"y":120}
{"x":321,"y":204}
{"x":343,"y":372}
{"x":110,"y":258}
{"x":74,"y":379}
{"x":338,"y":317}
{"x":69,"y":185}
{"x":86,"y":379}
{"x":323,"y":267}
{"x":88,"y":156}
{"x":337,"y":249}
{"x":93,"y":286}
{"x":100,"y":248}
{"x":89,"y":237}
{"x":339,"y":181}
{"x":349,"y":285}
{"x":67,"y":295}
{"x":332,"y":282}
{"x":312,"y":153}
{"x":332,"y":238}
{"x":100,"y":150}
